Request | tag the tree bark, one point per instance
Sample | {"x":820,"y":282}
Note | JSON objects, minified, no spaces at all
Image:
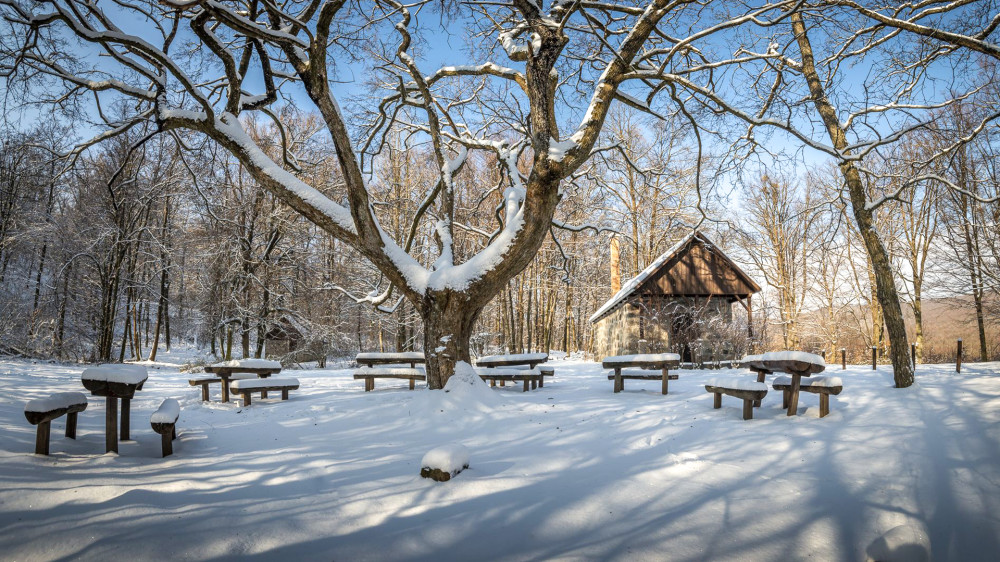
{"x":449,"y":318}
{"x":886,"y":292}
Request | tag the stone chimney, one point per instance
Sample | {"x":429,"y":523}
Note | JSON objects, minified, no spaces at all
{"x":616,"y":271}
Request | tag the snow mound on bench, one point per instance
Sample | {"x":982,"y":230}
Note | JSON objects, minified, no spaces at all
{"x":250,"y":384}
{"x":55,"y":402}
{"x":117,"y":373}
{"x":250,"y":364}
{"x":447,"y":458}
{"x":168,"y":412}
{"x":737,"y":384}
{"x":642,"y":357}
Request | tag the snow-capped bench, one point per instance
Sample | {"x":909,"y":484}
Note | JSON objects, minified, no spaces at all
{"x":798,"y":364}
{"x":42,"y":411}
{"x":203,"y":382}
{"x":823,"y":386}
{"x":370,"y":359}
{"x":532,"y":377}
{"x":248,"y":387}
{"x":164,"y":422}
{"x":229,"y":370}
{"x":369,"y":375}
{"x":748,"y":391}
{"x":662,"y":362}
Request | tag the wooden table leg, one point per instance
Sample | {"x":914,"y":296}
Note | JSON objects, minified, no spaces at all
{"x":619,"y":383}
{"x":225,"y":387}
{"x":793,"y":397}
{"x":126,"y":421}
{"x":412,"y":384}
{"x":71,"y":425}
{"x":666,"y":377}
{"x":111,"y":425}
{"x":760,"y":378}
{"x":525,"y":385}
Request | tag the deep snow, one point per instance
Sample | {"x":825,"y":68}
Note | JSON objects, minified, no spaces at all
{"x":570,"y":471}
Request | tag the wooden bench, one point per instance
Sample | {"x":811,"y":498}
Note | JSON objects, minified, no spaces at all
{"x":369,"y":375}
{"x":237,"y":368}
{"x":164,"y":422}
{"x":205,"y":381}
{"x":532,"y":377}
{"x":370,"y":359}
{"x":263,"y":386}
{"x":661,"y":362}
{"x":823,"y":386}
{"x":797,"y":364}
{"x":545,"y":371}
{"x":748,"y":391}
{"x":42,"y":411}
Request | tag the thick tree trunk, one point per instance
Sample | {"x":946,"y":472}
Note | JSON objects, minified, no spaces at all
{"x":448,"y":318}
{"x":885,"y":285}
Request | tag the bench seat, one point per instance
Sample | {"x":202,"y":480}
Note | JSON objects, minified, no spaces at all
{"x":263,"y":386}
{"x":748,"y":391}
{"x":532,"y":377}
{"x":370,"y":374}
{"x":42,"y":411}
{"x":823,"y":386}
{"x":164,"y":422}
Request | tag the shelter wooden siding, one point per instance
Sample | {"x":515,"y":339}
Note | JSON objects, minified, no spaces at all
{"x":699,"y":271}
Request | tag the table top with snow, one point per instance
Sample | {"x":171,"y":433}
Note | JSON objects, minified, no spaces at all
{"x":400,"y":356}
{"x":513,"y":359}
{"x":641,"y":359}
{"x":116,"y":373}
{"x":569,"y":472}
{"x":247,"y":364}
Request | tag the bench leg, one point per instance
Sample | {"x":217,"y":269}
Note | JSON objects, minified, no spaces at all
{"x":204,"y":392}
{"x":71,"y":425}
{"x":413,"y":384}
{"x":284,"y":394}
{"x":784,"y":399}
{"x":534,"y":384}
{"x":246,"y":399}
{"x":493,"y":382}
{"x":126,"y":414}
{"x":760,"y":378}
{"x":747,"y":409}
{"x":717,"y":401}
{"x":502,"y":382}
{"x":666,"y":378}
{"x":824,"y":405}
{"x":263,"y":394}
{"x":166,"y":444}
{"x":42,"y":438}
{"x":111,"y":425}
{"x":541,"y":381}
{"x":525,"y":385}
{"x":173,"y":432}
{"x":225,"y":389}
{"x":619,"y":382}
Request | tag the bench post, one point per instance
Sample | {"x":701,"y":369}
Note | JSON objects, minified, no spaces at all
{"x":246,"y":398}
{"x":493,"y":382}
{"x":793,"y":395}
{"x":413,"y":383}
{"x":784,"y":399}
{"x":42,"y":438}
{"x":525,"y":385}
{"x":619,"y":382}
{"x":284,"y":394}
{"x":747,"y":409}
{"x":71,"y":425}
{"x":126,"y":414}
{"x":824,"y":404}
{"x":167,"y":444}
{"x":717,"y":401}
{"x":541,"y":380}
{"x":263,"y":394}
{"x":666,"y":377}
{"x":111,"y":425}
{"x":225,"y":386}
{"x":204,"y":392}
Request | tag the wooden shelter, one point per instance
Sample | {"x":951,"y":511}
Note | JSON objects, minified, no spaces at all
{"x":681,"y":301}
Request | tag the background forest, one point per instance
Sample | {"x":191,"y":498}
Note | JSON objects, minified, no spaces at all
{"x":120,"y":252}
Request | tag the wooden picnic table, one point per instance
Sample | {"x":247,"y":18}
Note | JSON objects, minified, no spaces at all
{"x":796,"y":364}
{"x":662,"y":362}
{"x":516,"y":359}
{"x":370,"y":359}
{"x":226,"y":370}
{"x":115,"y":382}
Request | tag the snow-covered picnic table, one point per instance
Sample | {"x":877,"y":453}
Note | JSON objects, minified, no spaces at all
{"x":370,"y":358}
{"x":263,"y":368}
{"x":515,"y":359}
{"x":115,"y":382}
{"x":798,"y":364}
{"x":662,"y":362}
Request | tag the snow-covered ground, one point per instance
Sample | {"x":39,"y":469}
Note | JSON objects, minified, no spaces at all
{"x":571,"y":471}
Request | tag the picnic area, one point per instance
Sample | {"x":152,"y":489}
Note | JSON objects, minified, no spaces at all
{"x":577,"y":472}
